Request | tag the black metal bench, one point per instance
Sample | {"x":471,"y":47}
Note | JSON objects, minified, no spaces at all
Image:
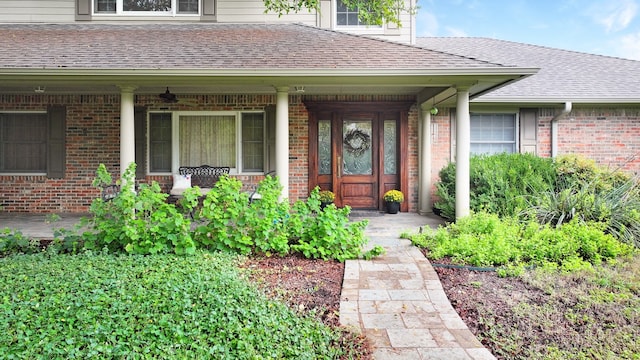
{"x":203,"y":176}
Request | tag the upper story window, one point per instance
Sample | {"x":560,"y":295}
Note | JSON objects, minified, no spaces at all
{"x":152,"y":7}
{"x":348,"y":17}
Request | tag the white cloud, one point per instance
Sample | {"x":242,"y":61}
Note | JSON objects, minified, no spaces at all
{"x":428,"y":24}
{"x":628,"y":46}
{"x":455,"y":32}
{"x":614,"y":15}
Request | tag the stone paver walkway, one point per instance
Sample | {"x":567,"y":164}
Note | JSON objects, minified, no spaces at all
{"x":398,"y":302}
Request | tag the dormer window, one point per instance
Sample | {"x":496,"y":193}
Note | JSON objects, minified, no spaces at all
{"x":147,"y":7}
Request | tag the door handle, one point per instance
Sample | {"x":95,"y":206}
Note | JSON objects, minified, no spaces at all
{"x":339,"y":166}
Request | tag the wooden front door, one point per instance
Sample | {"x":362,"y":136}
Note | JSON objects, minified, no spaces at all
{"x":356,"y":152}
{"x":356,"y":157}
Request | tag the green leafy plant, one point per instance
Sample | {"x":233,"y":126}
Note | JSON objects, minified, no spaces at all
{"x":139,"y":222}
{"x":484,"y":239}
{"x":393,"y":196}
{"x":325,"y":233}
{"x":107,"y":306}
{"x":13,"y":241}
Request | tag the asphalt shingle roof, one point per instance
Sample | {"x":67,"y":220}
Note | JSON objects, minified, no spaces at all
{"x":209,"y":46}
{"x":564,"y":75}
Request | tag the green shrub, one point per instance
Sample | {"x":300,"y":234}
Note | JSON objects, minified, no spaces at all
{"x":227,"y":221}
{"x":148,"y":307}
{"x":616,"y":204}
{"x":499,"y":183}
{"x":325,"y":233}
{"x":139,"y":222}
{"x":13,"y":241}
{"x":484,"y":239}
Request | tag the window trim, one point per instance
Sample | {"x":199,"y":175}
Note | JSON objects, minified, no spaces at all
{"x":365,"y":29}
{"x":516,"y":128}
{"x":33,"y":173}
{"x":175,"y":139}
{"x":121,"y":13}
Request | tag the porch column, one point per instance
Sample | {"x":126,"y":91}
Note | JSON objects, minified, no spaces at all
{"x":463,"y":149}
{"x":282,"y":138}
{"x":127,"y":128}
{"x":424,"y":161}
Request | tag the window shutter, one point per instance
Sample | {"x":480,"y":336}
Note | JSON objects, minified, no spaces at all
{"x":270,"y":123}
{"x":140,"y":123}
{"x":208,"y":10}
{"x":56,"y":152}
{"x":528,"y":131}
{"x":83,"y":10}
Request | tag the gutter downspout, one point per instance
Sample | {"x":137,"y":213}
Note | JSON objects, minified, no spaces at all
{"x":568,"y":106}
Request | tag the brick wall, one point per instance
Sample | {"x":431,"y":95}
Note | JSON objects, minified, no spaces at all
{"x":93,"y":137}
{"x":608,"y":135}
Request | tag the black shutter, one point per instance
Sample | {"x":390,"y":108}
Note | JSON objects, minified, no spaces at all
{"x":140,"y":120}
{"x":56,"y":151}
{"x":83,"y":10}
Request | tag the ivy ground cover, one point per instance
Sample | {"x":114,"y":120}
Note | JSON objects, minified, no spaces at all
{"x":147,"y":307}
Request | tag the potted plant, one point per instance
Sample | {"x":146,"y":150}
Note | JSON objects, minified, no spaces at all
{"x":393,"y":198}
{"x":326,"y":197}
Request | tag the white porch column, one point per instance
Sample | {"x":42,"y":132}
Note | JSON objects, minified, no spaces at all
{"x":424,"y":161}
{"x":463,"y":149}
{"x":127,"y":128}
{"x":282,"y":138}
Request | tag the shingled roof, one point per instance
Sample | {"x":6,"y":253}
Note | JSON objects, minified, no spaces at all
{"x":210,"y":46}
{"x":563,"y":75}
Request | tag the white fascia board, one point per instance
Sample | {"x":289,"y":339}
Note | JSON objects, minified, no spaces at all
{"x":271,"y":72}
{"x":541,"y":100}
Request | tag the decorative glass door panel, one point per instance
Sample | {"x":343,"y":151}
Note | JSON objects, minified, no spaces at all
{"x":357,"y":158}
{"x":390,"y":147}
{"x":356,"y":148}
{"x":324,"y":147}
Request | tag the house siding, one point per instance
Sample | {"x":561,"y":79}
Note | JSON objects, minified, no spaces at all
{"x":227,"y":11}
{"x":252,"y":11}
{"x":38,"y":11}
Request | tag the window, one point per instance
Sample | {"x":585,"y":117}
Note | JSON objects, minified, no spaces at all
{"x":346,"y":16}
{"x":493,"y":133}
{"x":23,"y":142}
{"x":228,"y":139}
{"x":169,"y":7}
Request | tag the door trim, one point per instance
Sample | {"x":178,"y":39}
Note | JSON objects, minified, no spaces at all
{"x":335,"y":109}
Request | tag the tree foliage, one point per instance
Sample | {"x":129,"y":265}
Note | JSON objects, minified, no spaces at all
{"x":374,"y":12}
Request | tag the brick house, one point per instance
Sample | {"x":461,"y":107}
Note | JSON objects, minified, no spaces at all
{"x":576,"y":103}
{"x":191,"y":82}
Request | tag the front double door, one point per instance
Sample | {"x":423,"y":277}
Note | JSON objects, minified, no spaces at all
{"x":356,"y":154}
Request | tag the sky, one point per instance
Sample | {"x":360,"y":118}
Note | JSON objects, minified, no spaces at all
{"x":604,"y":27}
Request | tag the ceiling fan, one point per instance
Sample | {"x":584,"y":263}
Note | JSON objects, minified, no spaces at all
{"x":171,"y":98}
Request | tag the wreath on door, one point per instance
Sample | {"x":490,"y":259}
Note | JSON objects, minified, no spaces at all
{"x":357,"y":142}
